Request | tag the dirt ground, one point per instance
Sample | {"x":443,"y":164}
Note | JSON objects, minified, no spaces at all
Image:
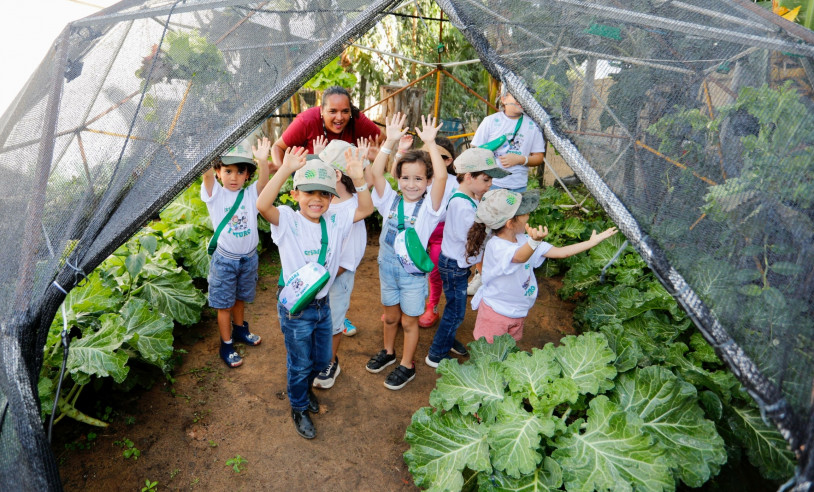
{"x":187,"y":431}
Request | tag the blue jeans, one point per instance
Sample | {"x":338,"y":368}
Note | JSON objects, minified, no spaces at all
{"x":454,"y":280}
{"x":308,"y":347}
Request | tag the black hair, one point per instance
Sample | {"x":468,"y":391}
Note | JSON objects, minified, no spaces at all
{"x":449,"y":147}
{"x":241,"y":166}
{"x":414,"y":156}
{"x":460,"y":177}
{"x":337,"y":90}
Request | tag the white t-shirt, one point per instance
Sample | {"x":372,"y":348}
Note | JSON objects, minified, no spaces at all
{"x":353,"y":249}
{"x":240,"y":235}
{"x":509,"y":288}
{"x":529,"y":140}
{"x":460,"y":217}
{"x":450,"y":187}
{"x":426,"y":220}
{"x":299,"y":240}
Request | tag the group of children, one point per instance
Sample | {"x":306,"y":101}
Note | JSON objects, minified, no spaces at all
{"x":322,"y":243}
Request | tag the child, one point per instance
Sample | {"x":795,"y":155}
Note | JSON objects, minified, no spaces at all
{"x":233,"y":267}
{"x":305,"y":237}
{"x":403,"y":293}
{"x":509,"y":286}
{"x":353,"y":249}
{"x":430,"y":316}
{"x":475,"y":169}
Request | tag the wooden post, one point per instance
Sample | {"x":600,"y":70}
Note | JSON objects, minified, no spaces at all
{"x":409,"y":101}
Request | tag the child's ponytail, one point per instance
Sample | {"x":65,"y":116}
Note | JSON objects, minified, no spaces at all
{"x":475,"y":239}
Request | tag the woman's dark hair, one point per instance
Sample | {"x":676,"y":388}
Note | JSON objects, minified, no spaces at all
{"x":449,"y":147}
{"x":414,"y":156}
{"x":460,"y":177}
{"x":336,"y":90}
{"x":348,"y":183}
{"x":241,"y":166}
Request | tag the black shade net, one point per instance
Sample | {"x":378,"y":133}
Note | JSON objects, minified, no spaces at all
{"x":691,"y":122}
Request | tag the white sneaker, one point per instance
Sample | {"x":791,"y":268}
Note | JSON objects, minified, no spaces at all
{"x":474,"y":285}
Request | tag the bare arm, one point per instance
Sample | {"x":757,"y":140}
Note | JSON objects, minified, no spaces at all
{"x":577,"y":248}
{"x":394,"y":132}
{"x":293,"y":159}
{"x":209,"y":181}
{"x":261,"y":155}
{"x":427,"y":135}
{"x":278,"y":153}
{"x":354,"y":170}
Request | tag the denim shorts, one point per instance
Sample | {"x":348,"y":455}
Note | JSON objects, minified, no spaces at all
{"x":339,"y":298}
{"x":231,"y":280}
{"x":398,"y":287}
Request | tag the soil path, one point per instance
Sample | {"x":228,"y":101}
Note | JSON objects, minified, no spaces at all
{"x":187,"y":431}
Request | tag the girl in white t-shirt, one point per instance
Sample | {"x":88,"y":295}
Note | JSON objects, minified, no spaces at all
{"x":510,"y":257}
{"x":403,"y":293}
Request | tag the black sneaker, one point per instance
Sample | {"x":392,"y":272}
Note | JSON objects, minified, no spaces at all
{"x":379,"y":361}
{"x":433,"y":361}
{"x":303,"y":424}
{"x":313,"y":403}
{"x":327,"y":377}
{"x":399,"y":377}
{"x":459,"y":348}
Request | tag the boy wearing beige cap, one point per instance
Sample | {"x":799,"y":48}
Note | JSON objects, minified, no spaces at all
{"x":310,"y":244}
{"x":512,"y":253}
{"x":474,"y":168}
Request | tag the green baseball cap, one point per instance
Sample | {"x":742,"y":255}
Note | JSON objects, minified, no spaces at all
{"x":242,"y":151}
{"x":316,"y":176}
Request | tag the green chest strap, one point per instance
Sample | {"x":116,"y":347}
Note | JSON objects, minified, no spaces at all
{"x":323,"y":250}
{"x":213,"y":243}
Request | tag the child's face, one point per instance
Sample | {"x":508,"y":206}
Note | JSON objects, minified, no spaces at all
{"x":312,"y":203}
{"x":413,"y":181}
{"x":518,"y":223}
{"x":231,"y":177}
{"x":480,"y":184}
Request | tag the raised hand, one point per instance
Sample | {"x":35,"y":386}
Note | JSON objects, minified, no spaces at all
{"x":320,"y":143}
{"x":294,"y":158}
{"x":363,"y":144}
{"x":405,"y":143}
{"x":537,"y":233}
{"x":598,"y":238}
{"x":354,"y":167}
{"x":394,"y":126}
{"x":261,"y":149}
{"x":428,"y":130}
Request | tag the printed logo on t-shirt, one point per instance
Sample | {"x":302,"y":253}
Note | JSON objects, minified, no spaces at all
{"x":239,"y":224}
{"x":527,"y":287}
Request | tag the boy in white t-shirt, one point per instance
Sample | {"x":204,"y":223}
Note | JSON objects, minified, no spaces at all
{"x":233,"y":267}
{"x":509,"y":285}
{"x":311,"y":235}
{"x":475,"y":169}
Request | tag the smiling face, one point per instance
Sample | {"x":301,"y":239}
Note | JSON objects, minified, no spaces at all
{"x":413,"y":180}
{"x":336,"y":113}
{"x":232,"y":177}
{"x":312,"y":203}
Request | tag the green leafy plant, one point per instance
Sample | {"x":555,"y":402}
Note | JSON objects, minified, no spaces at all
{"x":238,"y":463}
{"x":149,"y":486}
{"x":331,"y":74}
{"x":130,"y":449}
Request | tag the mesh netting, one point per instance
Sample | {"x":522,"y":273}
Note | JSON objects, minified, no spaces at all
{"x":691,"y":122}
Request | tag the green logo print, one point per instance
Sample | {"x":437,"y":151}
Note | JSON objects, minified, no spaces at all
{"x":310,"y":174}
{"x":511,"y":199}
{"x":490,"y":161}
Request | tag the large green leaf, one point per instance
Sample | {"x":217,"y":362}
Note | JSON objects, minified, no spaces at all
{"x":764,"y":445}
{"x":97,"y":353}
{"x":441,"y":445}
{"x":468,"y":386}
{"x":174,"y":295}
{"x":154,"y":330}
{"x":588,"y":361}
{"x":614,"y":453}
{"x":497,"y":351}
{"x":548,"y":477}
{"x":93,"y":296}
{"x":669,"y":410}
{"x":529,"y":373}
{"x":627,"y":349}
{"x":515,"y":438}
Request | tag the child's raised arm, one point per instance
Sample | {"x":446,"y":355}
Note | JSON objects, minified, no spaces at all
{"x":427,"y":135}
{"x":354,"y":170}
{"x":209,"y":180}
{"x":261,"y":156}
{"x":293,"y":159}
{"x":394,"y":131}
{"x":573,"y":249}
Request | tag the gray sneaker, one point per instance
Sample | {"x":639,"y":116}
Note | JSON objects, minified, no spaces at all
{"x":327,"y":377}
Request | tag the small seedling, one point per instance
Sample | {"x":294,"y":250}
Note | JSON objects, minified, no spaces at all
{"x":238,"y":463}
{"x":212,"y":444}
{"x":195,"y":481}
{"x":85,"y":442}
{"x":174,"y":473}
{"x":130,"y":420}
{"x":149,"y":486}
{"x":130,"y":449}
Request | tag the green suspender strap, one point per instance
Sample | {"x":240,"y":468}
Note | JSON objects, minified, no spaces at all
{"x":323,"y":250}
{"x":213,"y":243}
{"x":417,"y":253}
{"x":462,"y":195}
{"x":300,"y":289}
{"x":495,"y":144}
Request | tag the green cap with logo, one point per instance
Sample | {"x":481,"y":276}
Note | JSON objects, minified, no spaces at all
{"x":477,"y":159}
{"x":316,"y":176}
{"x":242,"y":151}
{"x":498,"y":206}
